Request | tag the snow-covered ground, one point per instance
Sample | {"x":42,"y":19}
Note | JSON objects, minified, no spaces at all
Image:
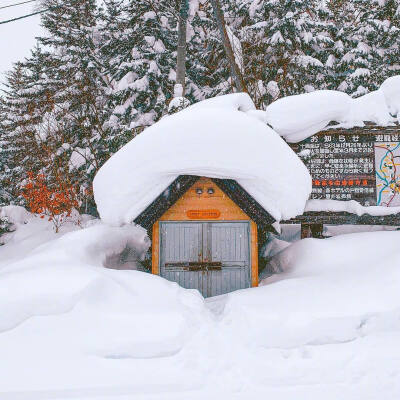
{"x":326,"y":328}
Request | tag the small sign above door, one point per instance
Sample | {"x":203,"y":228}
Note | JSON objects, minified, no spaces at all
{"x":203,"y":214}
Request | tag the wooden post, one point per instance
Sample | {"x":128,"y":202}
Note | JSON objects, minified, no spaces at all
{"x":181,"y":51}
{"x":305,"y":231}
{"x":235,"y":70}
{"x":312,"y":231}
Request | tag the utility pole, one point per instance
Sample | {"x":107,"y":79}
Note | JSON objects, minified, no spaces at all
{"x":235,"y":70}
{"x":181,"y":52}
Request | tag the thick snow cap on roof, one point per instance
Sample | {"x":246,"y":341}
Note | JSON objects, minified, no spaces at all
{"x":216,"y":138}
{"x":298,"y":117}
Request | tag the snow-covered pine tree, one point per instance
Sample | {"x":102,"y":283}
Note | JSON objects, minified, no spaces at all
{"x":143,"y":61}
{"x":141,"y":44}
{"x":208,"y":70}
{"x":56,"y":102}
{"x":4,"y":195}
{"x":338,"y":18}
{"x":385,"y":40}
{"x":282,"y":44}
{"x":366,"y":44}
{"x":79,"y":88}
{"x":24,"y":127}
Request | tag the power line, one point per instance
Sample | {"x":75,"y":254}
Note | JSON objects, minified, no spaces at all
{"x":25,"y":16}
{"x":17,"y":4}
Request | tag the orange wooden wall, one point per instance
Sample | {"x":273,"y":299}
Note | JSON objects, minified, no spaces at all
{"x":206,"y":207}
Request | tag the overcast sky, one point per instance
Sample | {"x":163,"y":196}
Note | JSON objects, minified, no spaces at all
{"x":16,"y":38}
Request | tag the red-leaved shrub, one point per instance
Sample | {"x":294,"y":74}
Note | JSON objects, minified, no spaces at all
{"x":55,"y":203}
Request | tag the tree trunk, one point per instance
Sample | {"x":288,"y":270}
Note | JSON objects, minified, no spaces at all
{"x":235,"y":70}
{"x":181,"y":52}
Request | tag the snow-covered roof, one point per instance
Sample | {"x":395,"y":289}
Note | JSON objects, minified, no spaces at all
{"x":297,"y":117}
{"x":219,"y":138}
{"x":351,"y":206}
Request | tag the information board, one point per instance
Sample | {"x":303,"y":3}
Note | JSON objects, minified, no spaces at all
{"x":354,"y":165}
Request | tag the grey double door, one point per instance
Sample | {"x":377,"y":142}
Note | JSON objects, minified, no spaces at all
{"x":213,"y":257}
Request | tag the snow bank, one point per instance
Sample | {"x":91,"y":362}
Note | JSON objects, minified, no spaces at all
{"x":28,"y":232}
{"x":63,"y":283}
{"x":298,"y":117}
{"x":332,"y":291}
{"x":214,"y":138}
{"x":350,"y":206}
{"x":328,"y":327}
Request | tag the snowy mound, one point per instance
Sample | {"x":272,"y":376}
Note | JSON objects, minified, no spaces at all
{"x":330,"y":324}
{"x":15,"y":214}
{"x":216,"y":138}
{"x":331,"y":291}
{"x":64,"y":283}
{"x":298,"y":117}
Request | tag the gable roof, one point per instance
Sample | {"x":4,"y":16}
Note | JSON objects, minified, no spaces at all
{"x":181,"y":184}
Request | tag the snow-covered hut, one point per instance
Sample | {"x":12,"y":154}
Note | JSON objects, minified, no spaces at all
{"x":206,"y":183}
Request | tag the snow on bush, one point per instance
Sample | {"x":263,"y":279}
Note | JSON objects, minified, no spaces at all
{"x":217,"y":138}
{"x":298,"y":117}
{"x":15,"y":214}
{"x":29,"y":231}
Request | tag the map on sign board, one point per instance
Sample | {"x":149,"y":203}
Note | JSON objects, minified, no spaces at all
{"x":387,"y":168}
{"x":354,"y":166}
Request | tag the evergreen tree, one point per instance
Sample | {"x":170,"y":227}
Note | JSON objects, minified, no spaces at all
{"x":366,"y":44}
{"x":282,"y":47}
{"x":79,"y":87}
{"x":207,"y":67}
{"x":142,"y":53}
{"x":23,"y":128}
{"x":338,"y":20}
{"x":56,"y":102}
{"x":100,"y":75}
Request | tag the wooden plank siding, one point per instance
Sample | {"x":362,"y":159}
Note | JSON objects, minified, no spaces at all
{"x":191,"y":204}
{"x":190,"y":201}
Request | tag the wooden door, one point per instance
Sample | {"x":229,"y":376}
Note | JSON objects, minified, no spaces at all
{"x":212,"y":257}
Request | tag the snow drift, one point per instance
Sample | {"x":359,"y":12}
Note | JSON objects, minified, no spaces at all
{"x":297,"y":117}
{"x":64,"y":283}
{"x":217,"y":138}
{"x":328,"y":327}
{"x":330,"y":291}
